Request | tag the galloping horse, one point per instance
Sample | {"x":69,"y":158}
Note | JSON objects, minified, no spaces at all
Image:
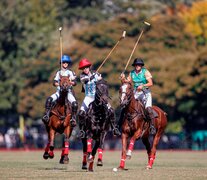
{"x":97,"y":124}
{"x":60,"y":122}
{"x":136,"y":125}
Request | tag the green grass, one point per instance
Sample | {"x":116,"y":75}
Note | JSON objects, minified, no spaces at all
{"x":23,"y":165}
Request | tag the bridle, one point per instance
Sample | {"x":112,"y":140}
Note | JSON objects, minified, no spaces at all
{"x":128,"y":94}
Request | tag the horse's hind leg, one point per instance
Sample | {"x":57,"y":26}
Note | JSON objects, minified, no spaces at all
{"x":146,"y":142}
{"x":85,"y":153}
{"x":154,"y":148}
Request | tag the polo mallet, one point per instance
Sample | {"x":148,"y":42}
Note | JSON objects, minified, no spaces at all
{"x":140,"y":35}
{"x":61,"y":46}
{"x":122,"y":37}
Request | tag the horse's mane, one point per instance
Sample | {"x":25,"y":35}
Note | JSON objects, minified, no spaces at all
{"x":102,"y":81}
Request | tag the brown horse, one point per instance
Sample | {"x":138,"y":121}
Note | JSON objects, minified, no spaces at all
{"x":136,"y":125}
{"x":60,"y":122}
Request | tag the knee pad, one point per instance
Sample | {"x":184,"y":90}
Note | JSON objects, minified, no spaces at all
{"x":81,"y":114}
{"x":48,"y":103}
{"x":74,"y":106}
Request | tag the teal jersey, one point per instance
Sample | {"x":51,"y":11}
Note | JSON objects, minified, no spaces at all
{"x":138,"y":79}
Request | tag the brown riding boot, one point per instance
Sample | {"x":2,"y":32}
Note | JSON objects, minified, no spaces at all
{"x":152,"y":115}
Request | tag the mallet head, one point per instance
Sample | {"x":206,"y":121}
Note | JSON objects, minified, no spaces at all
{"x":124,"y":34}
{"x":146,"y":23}
{"x":60,"y":28}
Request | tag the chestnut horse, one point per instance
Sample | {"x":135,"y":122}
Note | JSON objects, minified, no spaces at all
{"x":136,"y":125}
{"x":97,"y":126}
{"x":59,"y":122}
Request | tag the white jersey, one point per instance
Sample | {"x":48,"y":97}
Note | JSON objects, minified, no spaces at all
{"x":66,"y":72}
{"x":72,"y":77}
{"x":90,"y":85}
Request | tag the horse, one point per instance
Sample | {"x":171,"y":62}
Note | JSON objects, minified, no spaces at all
{"x":136,"y":125}
{"x":59,"y":122}
{"x":97,"y":126}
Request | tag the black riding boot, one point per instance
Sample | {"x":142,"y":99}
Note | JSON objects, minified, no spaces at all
{"x":81,"y":117}
{"x":152,"y":115}
{"x":112,"y":118}
{"x":48,"y":106}
{"x":74,"y":112}
{"x":121,"y":119}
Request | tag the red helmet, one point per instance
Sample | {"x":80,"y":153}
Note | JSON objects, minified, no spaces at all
{"x":84,"y":63}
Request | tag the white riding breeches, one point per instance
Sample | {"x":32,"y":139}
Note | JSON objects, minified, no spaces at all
{"x":145,"y":97}
{"x":70,"y":97}
{"x":87,"y":100}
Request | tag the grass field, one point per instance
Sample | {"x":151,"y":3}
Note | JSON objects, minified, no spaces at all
{"x":168,"y":165}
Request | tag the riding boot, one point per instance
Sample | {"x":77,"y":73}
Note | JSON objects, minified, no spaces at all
{"x":74,"y":112}
{"x":82,"y":119}
{"x":48,"y":106}
{"x":152,"y":115}
{"x":112,"y":118}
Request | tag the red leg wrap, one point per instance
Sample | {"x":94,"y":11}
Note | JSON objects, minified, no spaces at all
{"x":122,"y":163}
{"x":84,"y":157}
{"x":100,"y":153}
{"x":89,"y":145}
{"x":47,"y":147}
{"x":66,"y":150}
{"x":131,"y":145}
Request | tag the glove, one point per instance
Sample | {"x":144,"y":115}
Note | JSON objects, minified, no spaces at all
{"x":86,"y":81}
{"x":92,"y":77}
{"x":58,"y":88}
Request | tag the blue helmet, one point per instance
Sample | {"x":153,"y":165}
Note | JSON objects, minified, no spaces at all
{"x":66,"y":58}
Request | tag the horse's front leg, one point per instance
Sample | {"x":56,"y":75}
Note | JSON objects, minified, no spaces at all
{"x":154,"y":148}
{"x":124,"y":138}
{"x":47,"y":148}
{"x":51,"y":141}
{"x":85,"y":153}
{"x":92,"y":156}
{"x":65,"y":147}
{"x":136,"y":136}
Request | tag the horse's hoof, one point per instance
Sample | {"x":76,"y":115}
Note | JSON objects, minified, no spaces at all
{"x":90,"y":170}
{"x":90,"y":159}
{"x":121,"y":169}
{"x":84,"y":166}
{"x":61,"y":160}
{"x":99,"y":162}
{"x":51,"y":155}
{"x":128,"y":156}
{"x":66,"y":160}
{"x":148,"y":167}
{"x":45,"y":155}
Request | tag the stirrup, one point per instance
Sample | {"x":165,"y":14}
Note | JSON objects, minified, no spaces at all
{"x":82,"y":134}
{"x":116,"y":132}
{"x":73,"y":122}
{"x":46,"y":119}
